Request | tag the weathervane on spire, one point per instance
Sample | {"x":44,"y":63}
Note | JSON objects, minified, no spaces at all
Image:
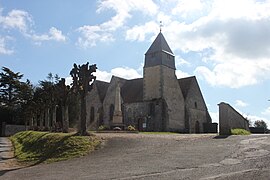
{"x":160,"y":26}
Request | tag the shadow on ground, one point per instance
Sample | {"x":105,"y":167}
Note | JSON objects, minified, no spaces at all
{"x":221,"y":136}
{"x":2,"y":172}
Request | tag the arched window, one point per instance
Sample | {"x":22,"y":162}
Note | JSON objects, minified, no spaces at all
{"x":195,"y":104}
{"x":111,"y":112}
{"x":92,"y":114}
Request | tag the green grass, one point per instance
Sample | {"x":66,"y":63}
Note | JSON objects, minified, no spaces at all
{"x":239,"y":132}
{"x":37,"y":147}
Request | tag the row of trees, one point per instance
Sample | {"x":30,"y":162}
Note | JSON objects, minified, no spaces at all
{"x":51,"y":105}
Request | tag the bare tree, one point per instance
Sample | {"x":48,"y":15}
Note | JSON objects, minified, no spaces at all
{"x":83,"y":79}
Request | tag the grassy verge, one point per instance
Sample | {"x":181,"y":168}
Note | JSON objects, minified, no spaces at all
{"x":37,"y":147}
{"x":239,"y":132}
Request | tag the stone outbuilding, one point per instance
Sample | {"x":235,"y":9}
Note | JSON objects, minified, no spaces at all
{"x":230,"y":119}
{"x":157,"y":102}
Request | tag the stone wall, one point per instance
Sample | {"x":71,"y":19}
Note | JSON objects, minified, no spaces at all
{"x":9,"y":130}
{"x":94,"y":104}
{"x":229,"y":119}
{"x":196,"y":110}
{"x":172,"y":94}
{"x":109,"y":100}
{"x":196,"y":120}
{"x":152,"y":83}
{"x":146,"y":116}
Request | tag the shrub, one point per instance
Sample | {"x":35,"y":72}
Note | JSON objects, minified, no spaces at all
{"x":239,"y":132}
{"x":131,"y":128}
{"x":102,"y":128}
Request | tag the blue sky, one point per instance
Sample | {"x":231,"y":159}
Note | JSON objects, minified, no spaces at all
{"x":226,"y":44}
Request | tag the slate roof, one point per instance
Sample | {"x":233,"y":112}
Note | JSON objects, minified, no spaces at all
{"x":159,"y":44}
{"x":102,"y":88}
{"x":185,"y":84}
{"x":132,"y":90}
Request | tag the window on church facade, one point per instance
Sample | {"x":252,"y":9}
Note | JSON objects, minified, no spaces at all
{"x":195,"y":104}
{"x":92,"y":114}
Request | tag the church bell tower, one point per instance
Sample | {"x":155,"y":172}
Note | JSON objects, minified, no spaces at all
{"x":160,"y":82}
{"x":158,"y":56}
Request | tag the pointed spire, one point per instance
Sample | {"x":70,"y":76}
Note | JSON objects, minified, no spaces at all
{"x":159,"y":53}
{"x":159,"y":44}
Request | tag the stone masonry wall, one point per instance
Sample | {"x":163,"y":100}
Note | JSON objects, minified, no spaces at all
{"x":13,"y":129}
{"x":229,"y":119}
{"x":196,"y":117}
{"x":150,"y":112}
{"x":93,"y":101}
{"x":152,"y":83}
{"x":196,"y":109}
{"x":110,"y":99}
{"x":173,"y":96}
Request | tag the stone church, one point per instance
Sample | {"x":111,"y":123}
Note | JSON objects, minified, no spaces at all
{"x":157,"y":102}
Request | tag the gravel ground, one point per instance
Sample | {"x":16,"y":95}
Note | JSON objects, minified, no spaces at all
{"x":162,"y":156}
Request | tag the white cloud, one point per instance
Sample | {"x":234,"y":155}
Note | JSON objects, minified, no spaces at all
{"x":235,"y":74}
{"x":240,"y":103}
{"x":16,"y":19}
{"x":180,"y":61}
{"x":91,"y":34}
{"x":180,"y":74}
{"x":22,"y":21}
{"x":123,"y":72}
{"x":185,"y":7}
{"x":3,"y":47}
{"x":232,"y":37}
{"x":139,"y":32}
{"x":54,"y":34}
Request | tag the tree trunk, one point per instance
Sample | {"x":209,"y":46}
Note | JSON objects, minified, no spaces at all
{"x":41,"y":120}
{"x":54,"y":118}
{"x":83,"y":131}
{"x":65,"y":118}
{"x":31,"y":123}
{"x":47,"y":119}
{"x":35,"y":120}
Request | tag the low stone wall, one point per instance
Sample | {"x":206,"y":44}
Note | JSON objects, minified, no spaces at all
{"x":229,"y":119}
{"x":257,"y":130}
{"x":210,"y":127}
{"x":9,"y":130}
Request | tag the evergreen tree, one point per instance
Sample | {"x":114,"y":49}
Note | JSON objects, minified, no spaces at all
{"x":9,"y":88}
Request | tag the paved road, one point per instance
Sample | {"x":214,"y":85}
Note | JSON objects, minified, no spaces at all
{"x":136,"y":156}
{"x":7,"y":160}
